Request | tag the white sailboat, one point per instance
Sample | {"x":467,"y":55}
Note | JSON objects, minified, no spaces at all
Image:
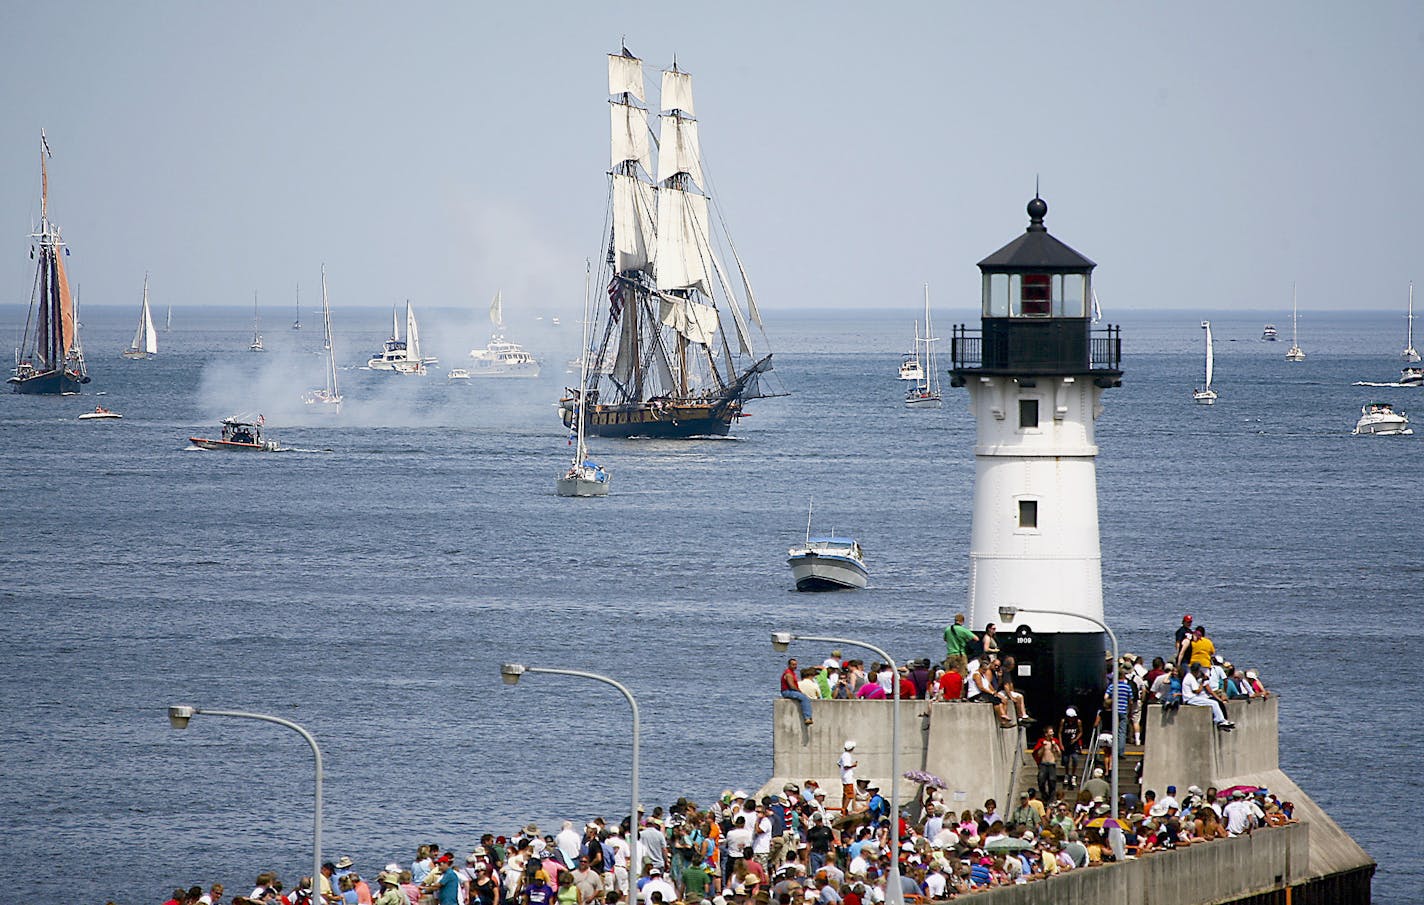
{"x":501,"y":358}
{"x":256,"y":344}
{"x":297,"y":324}
{"x":1206,"y":395}
{"x":925,"y":393}
{"x":168,"y":321}
{"x":584,"y":477}
{"x":328,"y":398}
{"x":1296,"y":353}
{"x":400,"y":356}
{"x":145,"y":341}
{"x":1410,"y":353}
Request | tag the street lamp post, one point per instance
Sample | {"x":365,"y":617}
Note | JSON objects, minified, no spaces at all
{"x":1007,"y":613}
{"x":894,"y":895}
{"x":180,"y":714}
{"x":510,"y":674}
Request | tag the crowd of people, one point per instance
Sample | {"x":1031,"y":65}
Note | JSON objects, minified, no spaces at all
{"x":792,"y":848}
{"x":785,"y":849}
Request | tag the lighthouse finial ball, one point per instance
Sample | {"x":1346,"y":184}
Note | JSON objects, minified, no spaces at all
{"x":1037,"y":210}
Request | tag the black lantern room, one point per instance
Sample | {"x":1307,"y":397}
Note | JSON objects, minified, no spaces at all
{"x":1037,"y":314}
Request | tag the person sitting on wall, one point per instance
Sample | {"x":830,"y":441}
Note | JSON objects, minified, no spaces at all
{"x":1004,"y":677}
{"x":982,"y":691}
{"x":1194,"y":694}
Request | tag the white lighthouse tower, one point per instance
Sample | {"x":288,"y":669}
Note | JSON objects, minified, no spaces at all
{"x":1035,"y":374}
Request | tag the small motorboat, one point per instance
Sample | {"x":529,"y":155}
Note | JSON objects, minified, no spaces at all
{"x":457,"y":374}
{"x":100,"y":414}
{"x":1379,"y":419}
{"x":1269,"y":333}
{"x":240,"y":433}
{"x":1411,"y":376}
{"x":829,"y":563}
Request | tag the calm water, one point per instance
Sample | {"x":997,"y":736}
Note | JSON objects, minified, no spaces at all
{"x":369,"y":585}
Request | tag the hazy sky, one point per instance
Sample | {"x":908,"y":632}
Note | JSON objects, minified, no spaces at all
{"x":1204,"y":154}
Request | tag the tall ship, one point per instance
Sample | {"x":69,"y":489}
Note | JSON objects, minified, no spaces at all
{"x":676,"y":337}
{"x":50,"y":360}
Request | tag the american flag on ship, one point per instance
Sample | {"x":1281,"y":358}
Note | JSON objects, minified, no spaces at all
{"x":615,"y":299}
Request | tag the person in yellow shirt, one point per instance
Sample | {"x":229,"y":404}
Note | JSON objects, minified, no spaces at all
{"x":1202,"y":648}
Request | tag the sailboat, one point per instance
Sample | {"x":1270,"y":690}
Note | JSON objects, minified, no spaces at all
{"x":50,"y":360}
{"x":256,"y":344}
{"x":400,"y":356}
{"x":168,"y":321}
{"x":925,"y":393}
{"x":584,"y":476}
{"x":501,"y":358}
{"x":328,"y":398}
{"x":145,"y":341}
{"x":297,"y":324}
{"x":1295,"y":353}
{"x":1206,"y":395}
{"x":675,"y":371}
{"x":1410,"y":353}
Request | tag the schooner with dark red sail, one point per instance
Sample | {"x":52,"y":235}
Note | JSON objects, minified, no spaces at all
{"x":50,"y":360}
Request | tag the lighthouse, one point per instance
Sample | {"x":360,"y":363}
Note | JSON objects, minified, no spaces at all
{"x":1036,"y":371}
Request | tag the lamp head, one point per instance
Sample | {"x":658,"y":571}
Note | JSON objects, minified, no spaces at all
{"x":179,"y":715}
{"x":510,"y":673}
{"x":1007,"y":613}
{"x":781,"y":640}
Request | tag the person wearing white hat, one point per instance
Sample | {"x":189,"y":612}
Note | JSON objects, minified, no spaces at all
{"x":847,"y":764}
{"x":1070,"y":736}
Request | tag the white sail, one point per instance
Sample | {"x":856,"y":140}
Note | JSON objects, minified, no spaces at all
{"x":145,"y":337}
{"x":744,"y":341}
{"x":625,"y":75}
{"x":497,"y":310}
{"x":628,"y":126}
{"x":1210,"y":362}
{"x":747,"y":285}
{"x":395,"y":323}
{"x":677,"y":91}
{"x":412,"y":335}
{"x":627,"y":342}
{"x":634,"y":235}
{"x":682,"y":231}
{"x":1411,"y":354}
{"x":694,"y":320}
{"x":679,"y":150}
{"x":330,"y":344}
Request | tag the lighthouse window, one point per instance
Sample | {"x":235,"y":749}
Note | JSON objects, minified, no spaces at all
{"x":1028,"y":413}
{"x":1028,"y":513}
{"x":996,"y":295}
{"x":1069,"y":294}
{"x":1037,"y":294}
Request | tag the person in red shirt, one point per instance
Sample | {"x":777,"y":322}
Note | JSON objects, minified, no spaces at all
{"x":791,"y":688}
{"x":951,"y":685}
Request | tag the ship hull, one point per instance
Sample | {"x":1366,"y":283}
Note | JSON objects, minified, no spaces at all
{"x":48,"y":383}
{"x":827,"y":573}
{"x":229,"y":446}
{"x":662,"y":422}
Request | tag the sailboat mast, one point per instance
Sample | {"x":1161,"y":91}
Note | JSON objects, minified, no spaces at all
{"x":810,"y":507}
{"x":326,"y":330}
{"x":1409,"y":321}
{"x":581,"y":415}
{"x":1294,"y":344}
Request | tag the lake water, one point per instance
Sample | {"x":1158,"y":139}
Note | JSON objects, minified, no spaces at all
{"x":369,"y":585}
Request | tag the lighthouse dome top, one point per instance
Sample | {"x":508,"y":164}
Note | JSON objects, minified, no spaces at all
{"x":1036,"y":251}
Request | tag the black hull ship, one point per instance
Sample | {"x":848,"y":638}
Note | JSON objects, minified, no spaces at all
{"x":676,"y":356}
{"x":50,"y":360}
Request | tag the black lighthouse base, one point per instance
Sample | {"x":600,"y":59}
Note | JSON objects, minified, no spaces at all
{"x":1055,"y":671}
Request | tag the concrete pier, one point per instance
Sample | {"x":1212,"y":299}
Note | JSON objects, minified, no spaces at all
{"x":1311,"y":861}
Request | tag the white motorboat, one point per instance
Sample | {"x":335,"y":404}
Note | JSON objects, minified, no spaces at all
{"x":1296,"y":353}
{"x":401,"y":356}
{"x":1269,"y":334}
{"x":100,"y":414}
{"x":1206,"y":395}
{"x":256,"y":344}
{"x":1410,"y":353}
{"x":925,"y":393}
{"x":828,"y":563}
{"x":910,"y":367}
{"x":1411,"y":376}
{"x":502,"y":358}
{"x":457,"y":374}
{"x":1379,"y":419}
{"x":585,"y":477}
{"x":326,"y":399}
{"x":145,"y":341}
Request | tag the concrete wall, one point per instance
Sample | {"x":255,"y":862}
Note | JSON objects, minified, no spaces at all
{"x":800,"y":752}
{"x":1184,"y":748}
{"x":1220,"y":871}
{"x":959,"y":742}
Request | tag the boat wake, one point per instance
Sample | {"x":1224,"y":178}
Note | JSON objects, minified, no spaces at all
{"x":1370,"y":383}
